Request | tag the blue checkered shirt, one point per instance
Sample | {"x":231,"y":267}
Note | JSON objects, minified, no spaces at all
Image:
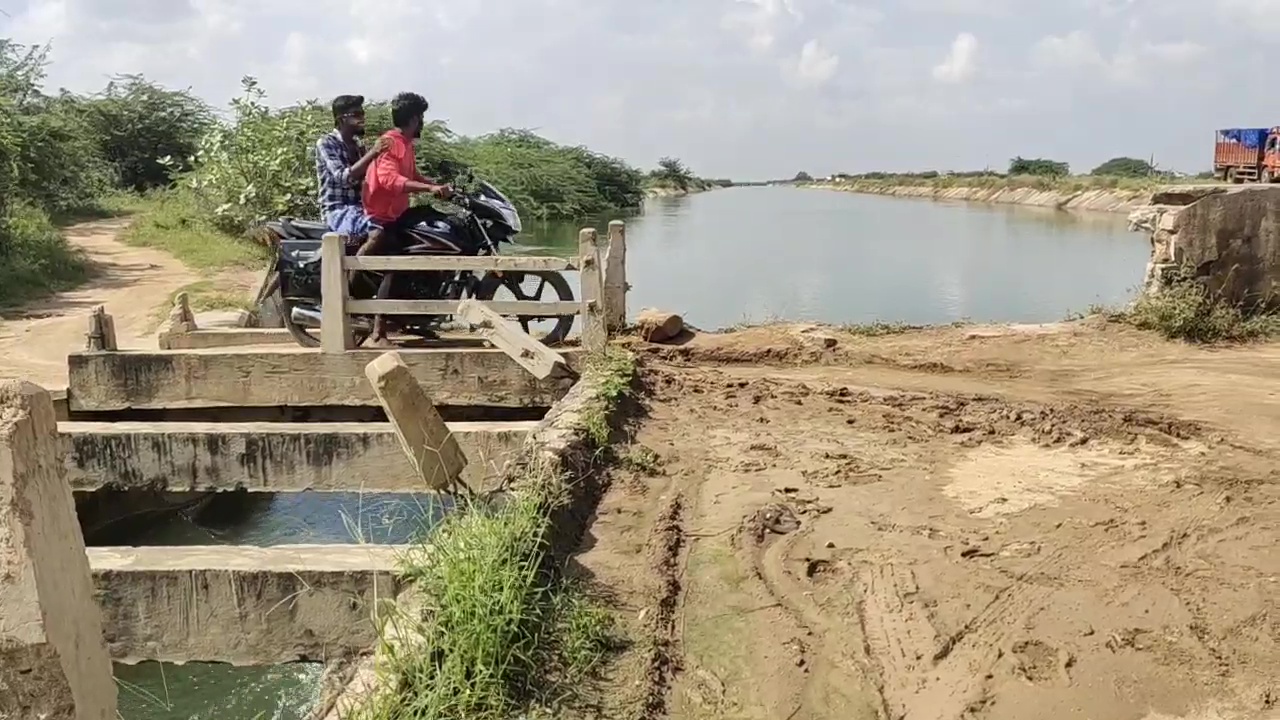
{"x":334,"y":159}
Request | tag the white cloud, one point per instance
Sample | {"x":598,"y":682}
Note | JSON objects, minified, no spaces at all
{"x":804,"y":83}
{"x":961,"y":61}
{"x":816,"y":65}
{"x":1073,"y":50}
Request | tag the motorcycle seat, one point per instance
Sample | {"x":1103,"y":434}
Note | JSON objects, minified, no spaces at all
{"x":304,"y":228}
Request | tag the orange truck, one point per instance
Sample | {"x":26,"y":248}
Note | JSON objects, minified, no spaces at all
{"x":1247,"y":155}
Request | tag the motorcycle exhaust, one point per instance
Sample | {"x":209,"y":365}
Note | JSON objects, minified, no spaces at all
{"x":308,"y":318}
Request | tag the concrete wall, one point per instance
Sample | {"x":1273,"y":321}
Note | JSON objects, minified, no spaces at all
{"x":53,"y":662}
{"x":242,"y":605}
{"x":103,"y":381}
{"x":272,"y":457}
{"x":1229,"y":237}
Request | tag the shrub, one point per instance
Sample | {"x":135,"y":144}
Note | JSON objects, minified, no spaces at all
{"x":34,"y":258}
{"x":1186,"y":310}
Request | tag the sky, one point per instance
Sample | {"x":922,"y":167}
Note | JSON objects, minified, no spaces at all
{"x":747,"y":89}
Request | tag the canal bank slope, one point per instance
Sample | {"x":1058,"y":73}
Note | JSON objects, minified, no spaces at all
{"x":1065,"y":198}
{"x":953,"y":521}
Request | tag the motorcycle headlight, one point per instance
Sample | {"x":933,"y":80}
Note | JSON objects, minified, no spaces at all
{"x":512,"y":218}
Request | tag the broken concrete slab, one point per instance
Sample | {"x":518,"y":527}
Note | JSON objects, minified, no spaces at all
{"x":1187,"y":194}
{"x":242,"y":605}
{"x":296,"y":377}
{"x":428,"y":444}
{"x":269,"y":456}
{"x":1229,"y":239}
{"x":53,"y":662}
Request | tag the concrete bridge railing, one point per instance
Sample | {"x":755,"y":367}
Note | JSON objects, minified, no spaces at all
{"x":602,"y":306}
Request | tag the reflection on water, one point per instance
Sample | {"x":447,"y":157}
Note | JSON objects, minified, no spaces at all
{"x":766,"y":253}
{"x":197,"y":691}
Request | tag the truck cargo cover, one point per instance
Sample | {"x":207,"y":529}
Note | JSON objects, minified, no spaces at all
{"x":1249,"y":137}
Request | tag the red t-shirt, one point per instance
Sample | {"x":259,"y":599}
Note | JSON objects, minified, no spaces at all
{"x":384,"y":196}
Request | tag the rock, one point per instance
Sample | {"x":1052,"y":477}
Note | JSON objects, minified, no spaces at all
{"x":658,"y":326}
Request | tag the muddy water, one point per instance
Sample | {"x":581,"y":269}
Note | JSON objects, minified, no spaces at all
{"x":719,"y":258}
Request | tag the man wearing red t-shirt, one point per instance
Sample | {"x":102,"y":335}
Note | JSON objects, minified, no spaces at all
{"x":388,"y":184}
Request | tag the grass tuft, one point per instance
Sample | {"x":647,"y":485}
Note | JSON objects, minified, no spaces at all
{"x":1186,"y":310}
{"x":493,"y":632}
{"x":615,"y":369}
{"x":172,"y":222}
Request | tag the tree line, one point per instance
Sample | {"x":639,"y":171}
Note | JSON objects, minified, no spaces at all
{"x":65,"y":156}
{"x":1118,"y":167}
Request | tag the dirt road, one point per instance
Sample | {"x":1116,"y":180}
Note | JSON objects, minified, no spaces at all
{"x":133,"y":283}
{"x":1051,"y":522}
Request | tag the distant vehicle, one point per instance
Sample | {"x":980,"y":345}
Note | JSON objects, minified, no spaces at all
{"x":1247,"y":155}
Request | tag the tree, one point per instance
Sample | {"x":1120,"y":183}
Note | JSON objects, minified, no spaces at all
{"x":137,"y":122}
{"x":803,"y":176}
{"x":1038,"y":166}
{"x":1124,"y":167}
{"x":672,"y":172}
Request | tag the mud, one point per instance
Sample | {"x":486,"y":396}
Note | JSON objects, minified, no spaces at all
{"x":1062,"y":521}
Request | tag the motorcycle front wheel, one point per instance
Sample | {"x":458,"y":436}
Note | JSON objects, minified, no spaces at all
{"x":532,"y":286}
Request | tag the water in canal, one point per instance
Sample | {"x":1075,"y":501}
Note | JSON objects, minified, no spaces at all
{"x":719,"y":258}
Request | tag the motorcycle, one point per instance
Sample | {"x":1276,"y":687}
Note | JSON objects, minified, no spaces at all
{"x":485,"y":219}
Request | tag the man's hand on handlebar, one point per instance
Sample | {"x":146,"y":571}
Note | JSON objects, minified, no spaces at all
{"x":444,"y":192}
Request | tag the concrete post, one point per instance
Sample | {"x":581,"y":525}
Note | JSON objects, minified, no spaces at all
{"x":615,"y":278}
{"x":541,"y":361}
{"x":433,"y":451}
{"x":102,"y":331}
{"x":181,"y":321}
{"x":53,"y":659}
{"x":335,"y":323}
{"x":595,"y":332}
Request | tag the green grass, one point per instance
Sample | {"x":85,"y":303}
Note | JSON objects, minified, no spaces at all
{"x":497,"y":635}
{"x":35,"y":259}
{"x":1186,"y":310}
{"x":170,"y":221}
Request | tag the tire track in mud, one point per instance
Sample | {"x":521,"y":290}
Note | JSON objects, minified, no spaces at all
{"x":834,"y":673}
{"x":921,"y":678}
{"x":899,"y":636}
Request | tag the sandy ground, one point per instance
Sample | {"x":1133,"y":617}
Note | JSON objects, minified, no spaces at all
{"x":1065,"y":521}
{"x":133,"y":283}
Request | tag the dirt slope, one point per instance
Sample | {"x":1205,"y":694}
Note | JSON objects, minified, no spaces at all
{"x":1048,"y":522}
{"x":131,"y":282}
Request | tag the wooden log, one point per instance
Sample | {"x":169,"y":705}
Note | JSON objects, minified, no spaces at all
{"x":102,"y":331}
{"x":335,"y":323}
{"x":433,"y":452}
{"x":538,"y":359}
{"x":595,"y":332}
{"x":615,"y":278}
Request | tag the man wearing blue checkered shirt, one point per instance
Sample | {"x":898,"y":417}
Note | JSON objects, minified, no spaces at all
{"x":340,"y":166}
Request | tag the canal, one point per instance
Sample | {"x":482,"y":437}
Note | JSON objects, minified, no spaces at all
{"x":719,"y":258}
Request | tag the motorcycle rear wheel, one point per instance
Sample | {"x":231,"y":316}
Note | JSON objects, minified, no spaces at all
{"x":490,"y":284}
{"x":300,"y":334}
